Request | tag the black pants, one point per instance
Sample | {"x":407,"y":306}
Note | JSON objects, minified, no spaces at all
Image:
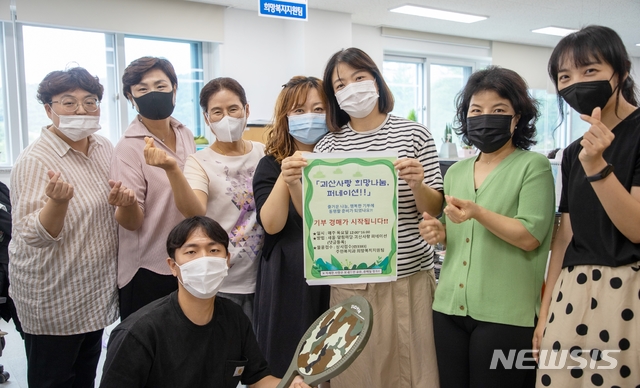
{"x":62,"y":361}
{"x":145,"y":287}
{"x":465,"y":349}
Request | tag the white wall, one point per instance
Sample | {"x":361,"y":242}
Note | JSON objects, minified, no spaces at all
{"x":325,"y":34}
{"x":528,"y":61}
{"x":181,"y":19}
{"x":264,"y":53}
{"x":369,"y":40}
{"x":253,"y":53}
{"x":396,"y":41}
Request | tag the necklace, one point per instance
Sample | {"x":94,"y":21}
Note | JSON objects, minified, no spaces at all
{"x":142,"y":122}
{"x":489,"y":162}
{"x":244,"y":148}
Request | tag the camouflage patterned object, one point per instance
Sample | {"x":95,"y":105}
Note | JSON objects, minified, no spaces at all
{"x":332,"y":342}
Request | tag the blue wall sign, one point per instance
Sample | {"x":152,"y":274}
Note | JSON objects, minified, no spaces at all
{"x":296,"y":10}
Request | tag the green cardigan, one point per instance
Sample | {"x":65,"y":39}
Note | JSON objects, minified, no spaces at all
{"x":482,"y":275}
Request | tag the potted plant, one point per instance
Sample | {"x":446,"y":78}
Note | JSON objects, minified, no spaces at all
{"x":412,"y":115}
{"x":468,"y":151}
{"x":448,"y":149}
{"x":201,"y":142}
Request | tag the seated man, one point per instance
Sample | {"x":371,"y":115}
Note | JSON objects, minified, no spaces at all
{"x":189,"y":338}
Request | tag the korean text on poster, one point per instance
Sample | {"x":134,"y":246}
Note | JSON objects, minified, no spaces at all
{"x":350,"y":203}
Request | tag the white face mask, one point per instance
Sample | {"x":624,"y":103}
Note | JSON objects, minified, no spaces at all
{"x":203,"y":277}
{"x":228,"y":129}
{"x":358,"y":98}
{"x":77,"y":127}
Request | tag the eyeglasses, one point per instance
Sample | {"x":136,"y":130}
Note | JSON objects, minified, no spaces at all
{"x":70,"y":104}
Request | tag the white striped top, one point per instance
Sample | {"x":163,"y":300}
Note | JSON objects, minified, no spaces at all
{"x":64,"y":285}
{"x":410,"y":140}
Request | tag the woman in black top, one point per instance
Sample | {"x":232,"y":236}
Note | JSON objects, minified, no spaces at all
{"x":285,"y":306}
{"x":591,"y":305}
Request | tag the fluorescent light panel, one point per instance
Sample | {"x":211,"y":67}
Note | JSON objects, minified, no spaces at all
{"x":437,"y":14}
{"x":557,"y":31}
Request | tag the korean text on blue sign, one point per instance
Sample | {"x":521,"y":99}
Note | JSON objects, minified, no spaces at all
{"x":284,"y":9}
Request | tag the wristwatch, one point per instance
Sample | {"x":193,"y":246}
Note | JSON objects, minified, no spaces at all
{"x":602,"y":174}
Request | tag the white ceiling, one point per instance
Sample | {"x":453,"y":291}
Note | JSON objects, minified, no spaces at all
{"x":509,"y":20}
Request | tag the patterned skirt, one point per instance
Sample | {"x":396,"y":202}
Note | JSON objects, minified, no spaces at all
{"x":592,"y":336}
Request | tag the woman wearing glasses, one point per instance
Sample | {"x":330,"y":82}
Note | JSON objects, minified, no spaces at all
{"x":150,"y":84}
{"x":217,"y":182}
{"x":65,"y":242}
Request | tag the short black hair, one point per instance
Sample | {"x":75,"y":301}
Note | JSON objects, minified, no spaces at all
{"x":60,"y":81}
{"x":181,"y":232}
{"x":509,"y":85}
{"x":359,"y":60}
{"x":602,"y":44}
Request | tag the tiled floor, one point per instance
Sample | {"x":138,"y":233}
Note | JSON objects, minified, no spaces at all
{"x":15,"y":361}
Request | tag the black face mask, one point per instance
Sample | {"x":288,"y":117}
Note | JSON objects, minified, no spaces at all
{"x":155,"y":105}
{"x":489,"y":133}
{"x":584,"y":97}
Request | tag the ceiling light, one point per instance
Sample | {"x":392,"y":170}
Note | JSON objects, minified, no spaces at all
{"x":437,"y":14}
{"x":557,"y":31}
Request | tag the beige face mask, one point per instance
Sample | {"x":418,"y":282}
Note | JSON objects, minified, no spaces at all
{"x":77,"y":127}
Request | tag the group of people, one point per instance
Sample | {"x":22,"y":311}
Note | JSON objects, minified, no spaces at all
{"x":201,"y":256}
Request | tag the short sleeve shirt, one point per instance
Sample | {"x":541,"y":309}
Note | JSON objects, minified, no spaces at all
{"x":410,"y":140}
{"x":596,"y":240}
{"x":158,"y":346}
{"x":482,"y":275}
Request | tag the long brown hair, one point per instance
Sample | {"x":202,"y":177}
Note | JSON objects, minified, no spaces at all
{"x":280,"y":143}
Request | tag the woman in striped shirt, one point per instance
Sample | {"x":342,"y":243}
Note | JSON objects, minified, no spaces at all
{"x":359,"y":102}
{"x":65,"y":242}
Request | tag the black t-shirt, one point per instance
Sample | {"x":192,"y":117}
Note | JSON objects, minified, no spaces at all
{"x":158,"y":346}
{"x":264,"y":179}
{"x":596,"y":240}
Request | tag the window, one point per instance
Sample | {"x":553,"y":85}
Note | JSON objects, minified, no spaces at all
{"x":548,"y":136}
{"x":28,"y":53}
{"x":404,"y":78}
{"x":428,"y":87}
{"x":186,"y":58}
{"x":445,"y":82}
{"x":4,"y":140}
{"x":577,"y":126}
{"x":552,"y":133}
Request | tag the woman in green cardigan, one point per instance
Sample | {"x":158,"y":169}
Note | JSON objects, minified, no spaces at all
{"x":497,"y":228}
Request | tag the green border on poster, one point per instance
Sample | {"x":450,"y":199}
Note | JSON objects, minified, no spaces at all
{"x":384,"y":268}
